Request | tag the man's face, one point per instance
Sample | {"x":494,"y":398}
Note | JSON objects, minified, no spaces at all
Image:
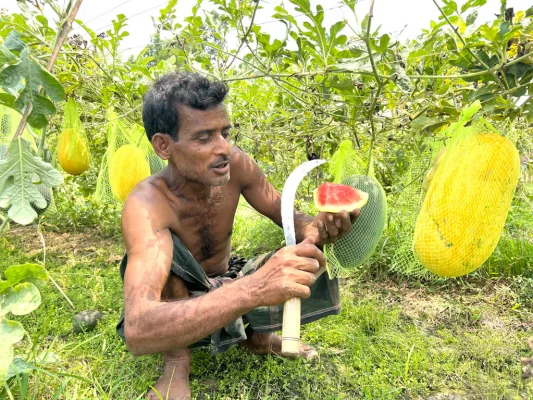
{"x":201,"y":153}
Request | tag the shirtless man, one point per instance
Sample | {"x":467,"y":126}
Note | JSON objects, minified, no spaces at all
{"x":192,"y":202}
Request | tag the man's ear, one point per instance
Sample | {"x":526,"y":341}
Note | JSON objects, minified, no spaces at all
{"x":161,"y":143}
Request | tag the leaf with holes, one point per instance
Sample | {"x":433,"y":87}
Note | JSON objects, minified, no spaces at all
{"x":34,"y":76}
{"x":17,"y":191}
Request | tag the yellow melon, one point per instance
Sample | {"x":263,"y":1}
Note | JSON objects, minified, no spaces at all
{"x":72,"y":152}
{"x":128,"y":167}
{"x":466,"y":205}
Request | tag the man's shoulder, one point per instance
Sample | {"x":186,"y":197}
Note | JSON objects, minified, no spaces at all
{"x":242,"y":163}
{"x":148,"y":195}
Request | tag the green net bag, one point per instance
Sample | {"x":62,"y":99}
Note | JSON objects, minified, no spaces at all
{"x":463,"y":201}
{"x":72,"y":148}
{"x":360,"y":243}
{"x":129,"y":159}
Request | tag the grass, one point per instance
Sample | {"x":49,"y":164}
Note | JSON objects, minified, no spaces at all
{"x":393,"y":339}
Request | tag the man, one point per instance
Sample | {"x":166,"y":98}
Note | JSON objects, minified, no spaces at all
{"x":181,"y":288}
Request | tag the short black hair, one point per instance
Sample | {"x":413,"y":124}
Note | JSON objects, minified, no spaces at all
{"x":160,"y":108}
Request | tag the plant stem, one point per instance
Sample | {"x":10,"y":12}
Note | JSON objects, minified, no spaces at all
{"x":245,"y":35}
{"x":378,"y":92}
{"x":5,"y":221}
{"x":51,"y":61}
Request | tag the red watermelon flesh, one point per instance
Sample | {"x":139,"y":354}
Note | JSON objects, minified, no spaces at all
{"x":334,"y":198}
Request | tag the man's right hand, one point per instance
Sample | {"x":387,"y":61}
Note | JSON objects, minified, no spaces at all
{"x":289,"y":273}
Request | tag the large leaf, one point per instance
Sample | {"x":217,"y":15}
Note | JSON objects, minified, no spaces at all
{"x":13,"y":42}
{"x":33,"y":273}
{"x":7,"y":99}
{"x":34,"y":76}
{"x":20,"y":300}
{"x":11,"y":332}
{"x":17,"y":192}
{"x":18,"y":367}
{"x":6,"y":355}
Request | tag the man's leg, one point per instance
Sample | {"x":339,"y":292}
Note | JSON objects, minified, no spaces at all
{"x":174,"y":383}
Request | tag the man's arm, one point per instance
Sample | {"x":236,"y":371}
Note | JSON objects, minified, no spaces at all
{"x":155,"y":326}
{"x":260,"y":194}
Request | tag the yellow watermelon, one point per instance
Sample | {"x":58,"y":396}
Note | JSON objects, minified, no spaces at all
{"x":128,"y":167}
{"x":466,"y":205}
{"x":73,"y":152}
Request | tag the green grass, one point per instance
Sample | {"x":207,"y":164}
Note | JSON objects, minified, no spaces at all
{"x":393,"y":340}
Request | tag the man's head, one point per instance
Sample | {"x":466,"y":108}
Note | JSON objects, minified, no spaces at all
{"x":185,"y":119}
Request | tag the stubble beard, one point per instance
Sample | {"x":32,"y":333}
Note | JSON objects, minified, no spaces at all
{"x":208,"y":181}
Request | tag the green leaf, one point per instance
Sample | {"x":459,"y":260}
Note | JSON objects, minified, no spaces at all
{"x":422,"y":122}
{"x":11,"y":332}
{"x":504,"y":28}
{"x":34,"y":76}
{"x":18,"y":367}
{"x":471,"y":19}
{"x":41,"y":107}
{"x":7,"y":100}
{"x":13,"y":42}
{"x":450,"y":7}
{"x":21,"y":299}
{"x":529,"y":12}
{"x":468,"y":112}
{"x":6,"y":355}
{"x":401,"y":79}
{"x":33,"y":273}
{"x":6,"y":56}
{"x":17,"y":192}
{"x":472,"y":3}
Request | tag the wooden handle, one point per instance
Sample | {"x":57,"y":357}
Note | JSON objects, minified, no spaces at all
{"x":290,"y":345}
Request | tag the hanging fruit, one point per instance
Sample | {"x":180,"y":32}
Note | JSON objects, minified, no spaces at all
{"x":128,"y":167}
{"x":73,"y":152}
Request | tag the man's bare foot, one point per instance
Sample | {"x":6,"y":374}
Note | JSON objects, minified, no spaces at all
{"x":174,"y":383}
{"x":269,"y":343}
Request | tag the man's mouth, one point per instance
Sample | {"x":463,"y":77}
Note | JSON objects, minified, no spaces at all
{"x":221,"y":167}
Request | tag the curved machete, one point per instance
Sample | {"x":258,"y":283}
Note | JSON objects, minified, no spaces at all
{"x":291,"y":310}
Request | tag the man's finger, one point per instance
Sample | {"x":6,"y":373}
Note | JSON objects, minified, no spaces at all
{"x":346,"y":222}
{"x":310,"y":265}
{"x":308,"y":240}
{"x":322,"y":230}
{"x":331,"y":226}
{"x":354,"y":215}
{"x":310,"y":251}
{"x":305,"y":278}
{"x":302,"y":291}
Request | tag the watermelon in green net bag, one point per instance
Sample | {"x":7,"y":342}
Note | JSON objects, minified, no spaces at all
{"x":358,"y":246}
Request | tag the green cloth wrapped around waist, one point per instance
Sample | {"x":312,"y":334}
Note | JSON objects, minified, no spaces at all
{"x":324,"y":300}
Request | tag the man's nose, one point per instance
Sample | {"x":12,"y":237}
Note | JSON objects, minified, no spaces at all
{"x":223,"y":146}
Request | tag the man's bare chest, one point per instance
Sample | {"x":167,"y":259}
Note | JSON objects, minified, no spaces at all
{"x":206,"y":227}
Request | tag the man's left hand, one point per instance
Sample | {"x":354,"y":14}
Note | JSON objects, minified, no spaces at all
{"x":327,"y":228}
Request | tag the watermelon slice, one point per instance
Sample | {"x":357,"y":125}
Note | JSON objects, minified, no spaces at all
{"x":333,"y":198}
